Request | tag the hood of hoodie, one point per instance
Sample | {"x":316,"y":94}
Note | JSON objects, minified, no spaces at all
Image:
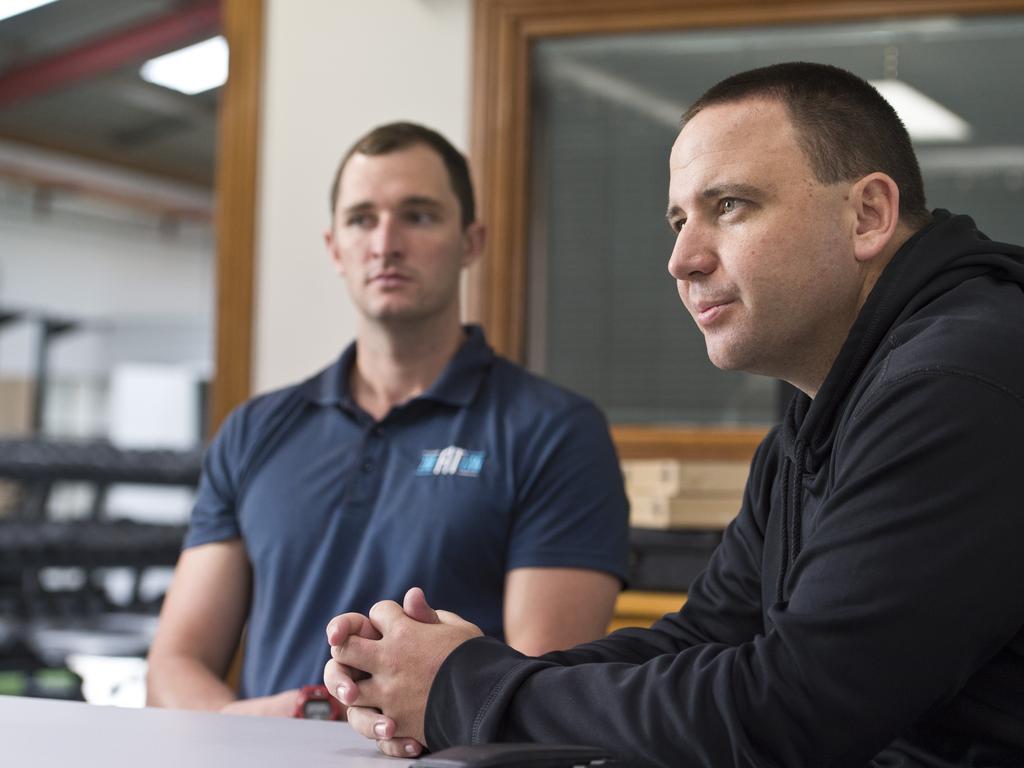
{"x":942,"y":255}
{"x":945,"y":253}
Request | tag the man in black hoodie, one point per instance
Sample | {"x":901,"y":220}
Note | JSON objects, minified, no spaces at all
{"x":865,"y":607}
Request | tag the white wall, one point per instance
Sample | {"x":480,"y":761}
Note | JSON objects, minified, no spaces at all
{"x":333,"y":69}
{"x":140,"y":293}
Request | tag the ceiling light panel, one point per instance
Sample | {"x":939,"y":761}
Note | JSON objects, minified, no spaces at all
{"x":190,"y":70}
{"x":10,"y":8}
{"x":926,"y":120}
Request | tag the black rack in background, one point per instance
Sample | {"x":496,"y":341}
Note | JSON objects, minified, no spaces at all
{"x":36,"y":464}
{"x":99,"y":461}
{"x":31,"y":541}
{"x":86,"y":544}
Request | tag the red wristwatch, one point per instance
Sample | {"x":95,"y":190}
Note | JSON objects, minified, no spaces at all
{"x":316,"y":703}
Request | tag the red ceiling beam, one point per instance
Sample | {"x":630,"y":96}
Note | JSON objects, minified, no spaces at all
{"x":98,"y":57}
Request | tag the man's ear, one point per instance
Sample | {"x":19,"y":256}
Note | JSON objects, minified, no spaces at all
{"x":876,"y":202}
{"x":474,"y":238}
{"x":332,"y":251}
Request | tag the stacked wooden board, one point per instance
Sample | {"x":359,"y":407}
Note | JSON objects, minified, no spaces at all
{"x":666,"y":493}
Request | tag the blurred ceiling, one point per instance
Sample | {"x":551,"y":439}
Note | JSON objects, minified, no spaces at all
{"x":69,"y":80}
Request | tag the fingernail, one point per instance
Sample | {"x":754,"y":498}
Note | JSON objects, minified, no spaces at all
{"x":342,"y":690}
{"x":381,"y":729}
{"x":410,"y":749}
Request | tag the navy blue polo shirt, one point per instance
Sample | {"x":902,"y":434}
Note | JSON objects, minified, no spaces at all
{"x":489,"y":470}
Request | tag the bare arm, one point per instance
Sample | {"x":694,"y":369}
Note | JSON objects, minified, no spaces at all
{"x":200,"y":626}
{"x":548,"y":609}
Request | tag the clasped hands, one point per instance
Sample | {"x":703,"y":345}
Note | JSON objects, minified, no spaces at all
{"x":382,"y":666}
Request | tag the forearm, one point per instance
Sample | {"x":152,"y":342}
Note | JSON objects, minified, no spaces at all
{"x":200,"y":628}
{"x":179,"y":681}
{"x":547,"y":609}
{"x":685,"y":709}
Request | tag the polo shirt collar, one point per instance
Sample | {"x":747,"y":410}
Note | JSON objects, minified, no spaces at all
{"x":461,"y":378}
{"x":457,"y":385}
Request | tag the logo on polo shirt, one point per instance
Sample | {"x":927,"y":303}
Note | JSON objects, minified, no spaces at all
{"x":451,"y":461}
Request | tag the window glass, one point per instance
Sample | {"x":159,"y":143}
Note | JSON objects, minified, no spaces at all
{"x":604,"y":317}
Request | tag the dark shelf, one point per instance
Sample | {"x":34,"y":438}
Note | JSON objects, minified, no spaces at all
{"x":34,"y":459}
{"x":87,"y":544}
{"x":669,"y":560}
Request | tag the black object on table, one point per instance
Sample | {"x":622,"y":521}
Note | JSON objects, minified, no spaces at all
{"x":515,"y":755}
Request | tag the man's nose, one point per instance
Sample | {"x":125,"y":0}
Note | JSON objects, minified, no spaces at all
{"x":386,"y":239}
{"x":693,"y":253}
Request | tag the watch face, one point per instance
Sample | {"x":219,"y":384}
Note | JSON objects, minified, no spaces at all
{"x":317,"y":709}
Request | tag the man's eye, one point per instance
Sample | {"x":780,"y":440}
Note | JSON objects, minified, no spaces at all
{"x":420,"y":217}
{"x":728,"y":205}
{"x":362,"y":220}
{"x":676,"y":224}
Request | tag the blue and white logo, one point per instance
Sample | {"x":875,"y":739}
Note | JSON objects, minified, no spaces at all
{"x":451,"y":461}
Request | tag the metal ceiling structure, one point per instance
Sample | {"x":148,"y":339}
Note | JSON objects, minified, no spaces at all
{"x":69,"y":80}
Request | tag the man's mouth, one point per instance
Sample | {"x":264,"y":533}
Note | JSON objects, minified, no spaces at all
{"x":708,"y":311}
{"x":389,"y":278}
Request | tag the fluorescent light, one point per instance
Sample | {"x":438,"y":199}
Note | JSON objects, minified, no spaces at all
{"x":190,"y":70}
{"x":925,"y":118}
{"x":10,"y":8}
{"x":624,"y":93}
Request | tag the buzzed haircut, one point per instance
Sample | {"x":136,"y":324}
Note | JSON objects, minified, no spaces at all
{"x":392,"y":137}
{"x":844,"y":126}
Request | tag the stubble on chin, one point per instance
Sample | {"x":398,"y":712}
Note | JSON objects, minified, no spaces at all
{"x":729,"y":353}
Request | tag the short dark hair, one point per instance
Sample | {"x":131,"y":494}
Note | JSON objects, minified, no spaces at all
{"x":385,"y":139}
{"x":844,"y":126}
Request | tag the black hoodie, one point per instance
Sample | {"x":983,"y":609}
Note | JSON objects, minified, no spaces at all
{"x":866,"y":607}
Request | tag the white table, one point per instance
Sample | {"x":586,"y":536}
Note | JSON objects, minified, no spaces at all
{"x":42,"y":733}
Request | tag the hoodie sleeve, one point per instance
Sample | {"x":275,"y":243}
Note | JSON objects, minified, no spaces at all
{"x":897,"y":599}
{"x":723,"y":606}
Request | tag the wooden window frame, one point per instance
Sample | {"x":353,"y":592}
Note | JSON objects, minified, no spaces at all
{"x":237,"y":177}
{"x":503,"y":34}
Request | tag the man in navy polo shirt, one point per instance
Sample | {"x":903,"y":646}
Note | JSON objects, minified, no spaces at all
{"x":418,"y":458}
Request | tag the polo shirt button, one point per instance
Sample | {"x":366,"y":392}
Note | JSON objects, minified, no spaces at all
{"x":367,"y":466}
